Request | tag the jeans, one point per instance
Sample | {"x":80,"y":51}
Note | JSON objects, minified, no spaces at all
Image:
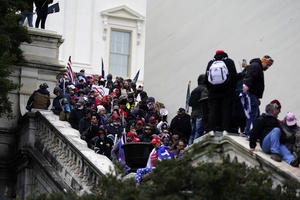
{"x":253,"y":114}
{"x":197,"y":128}
{"x":29,"y":16}
{"x":271,"y":144}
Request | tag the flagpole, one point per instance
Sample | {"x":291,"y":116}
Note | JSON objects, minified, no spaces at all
{"x":187,"y":97}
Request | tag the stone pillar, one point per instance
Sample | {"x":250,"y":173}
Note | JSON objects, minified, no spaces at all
{"x":41,"y":66}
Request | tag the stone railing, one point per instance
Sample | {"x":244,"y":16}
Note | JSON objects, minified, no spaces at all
{"x":74,"y":163}
{"x":212,"y":148}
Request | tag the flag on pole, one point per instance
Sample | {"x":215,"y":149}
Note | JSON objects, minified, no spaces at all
{"x":136,"y":77}
{"x":70,"y":73}
{"x":103,"y":74}
{"x":53,"y":8}
{"x":188,"y":95}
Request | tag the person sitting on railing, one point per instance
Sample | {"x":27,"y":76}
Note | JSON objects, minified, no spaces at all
{"x":40,"y":99}
{"x":266,"y":128}
{"x":76,"y":114}
{"x":291,"y":131}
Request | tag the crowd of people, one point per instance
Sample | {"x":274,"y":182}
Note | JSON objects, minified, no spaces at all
{"x":108,"y":113}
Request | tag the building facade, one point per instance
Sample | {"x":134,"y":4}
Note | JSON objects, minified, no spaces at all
{"x":94,"y":30}
{"x":182,"y":37}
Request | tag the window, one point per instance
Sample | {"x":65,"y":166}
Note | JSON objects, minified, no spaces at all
{"x":119,"y":53}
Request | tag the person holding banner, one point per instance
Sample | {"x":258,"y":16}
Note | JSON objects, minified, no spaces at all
{"x":42,"y":12}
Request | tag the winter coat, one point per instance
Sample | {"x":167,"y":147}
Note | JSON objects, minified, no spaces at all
{"x":226,"y":89}
{"x":57,"y":104}
{"x":292,"y":135}
{"x":40,"y":99}
{"x":75,"y":116}
{"x":182,"y":124}
{"x":262,"y":126}
{"x":84,"y":124}
{"x":254,"y":78}
{"x":198,"y":98}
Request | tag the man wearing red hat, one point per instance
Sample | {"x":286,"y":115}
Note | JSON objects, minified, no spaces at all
{"x":254,"y":84}
{"x":220,"y":79}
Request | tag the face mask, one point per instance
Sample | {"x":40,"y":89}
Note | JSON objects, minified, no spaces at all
{"x":116,"y":123}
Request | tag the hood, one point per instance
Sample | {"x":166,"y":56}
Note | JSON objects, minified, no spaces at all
{"x":201,"y":79}
{"x":220,"y":56}
{"x":257,"y":60}
{"x":43,"y":91}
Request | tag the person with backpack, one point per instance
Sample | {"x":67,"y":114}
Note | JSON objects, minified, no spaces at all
{"x":40,"y":99}
{"x":221,"y":80}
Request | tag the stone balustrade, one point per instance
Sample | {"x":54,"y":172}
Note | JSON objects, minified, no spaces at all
{"x":73,"y":162}
{"x":212,"y":148}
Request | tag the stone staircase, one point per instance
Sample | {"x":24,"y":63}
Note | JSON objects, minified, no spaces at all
{"x":54,"y":158}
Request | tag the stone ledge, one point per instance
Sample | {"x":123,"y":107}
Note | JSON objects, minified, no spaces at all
{"x":238,"y":148}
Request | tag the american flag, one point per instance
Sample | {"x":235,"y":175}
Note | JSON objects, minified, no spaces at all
{"x":70,"y":73}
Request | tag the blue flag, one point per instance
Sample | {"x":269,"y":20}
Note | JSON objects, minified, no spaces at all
{"x":103,"y":74}
{"x":136,"y":77}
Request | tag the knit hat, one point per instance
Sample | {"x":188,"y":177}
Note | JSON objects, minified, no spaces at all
{"x":219,"y":51}
{"x":275,"y":101}
{"x":267,"y":59}
{"x":290,"y":119}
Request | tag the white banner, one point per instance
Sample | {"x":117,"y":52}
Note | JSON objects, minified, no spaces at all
{"x":102,"y":91}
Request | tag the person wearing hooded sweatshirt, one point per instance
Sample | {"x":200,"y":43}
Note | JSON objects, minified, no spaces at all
{"x":198,"y":102}
{"x":254,"y":85}
{"x":40,"y":99}
{"x":220,"y":96}
{"x":57,"y":101}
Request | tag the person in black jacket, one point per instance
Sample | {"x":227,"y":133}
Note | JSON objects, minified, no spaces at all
{"x":57,"y":101}
{"x":266,"y":128}
{"x":254,"y":84}
{"x":220,"y":96}
{"x":42,"y":12}
{"x":77,"y":114}
{"x":181,"y":123}
{"x":198,"y":102}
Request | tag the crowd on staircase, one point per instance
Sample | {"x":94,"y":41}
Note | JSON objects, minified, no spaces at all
{"x":111,"y":112}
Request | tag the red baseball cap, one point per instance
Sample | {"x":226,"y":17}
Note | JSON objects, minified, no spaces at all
{"x":130,"y":134}
{"x":155,"y":140}
{"x":139,"y":122}
{"x":115,"y":116}
{"x":151,"y":118}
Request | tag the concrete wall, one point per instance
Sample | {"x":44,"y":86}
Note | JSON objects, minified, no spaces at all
{"x":82,"y":26}
{"x":183,"y":36}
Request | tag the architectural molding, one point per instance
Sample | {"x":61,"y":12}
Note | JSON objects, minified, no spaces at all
{"x":120,"y":17}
